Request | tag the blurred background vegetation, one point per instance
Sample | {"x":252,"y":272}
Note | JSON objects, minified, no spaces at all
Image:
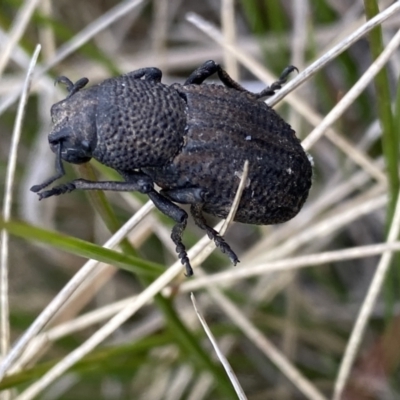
{"x":162,"y":352}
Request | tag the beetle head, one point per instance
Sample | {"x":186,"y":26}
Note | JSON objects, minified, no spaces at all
{"x":74,"y":118}
{"x":73,"y":137}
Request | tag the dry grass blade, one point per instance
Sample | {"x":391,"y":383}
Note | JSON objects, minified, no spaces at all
{"x":110,"y":326}
{"x":222,"y":358}
{"x":334,"y":52}
{"x":236,"y":201}
{"x":229,"y":31}
{"x":353,"y":93}
{"x":222,"y":278}
{"x":66,"y":292}
{"x":78,"y":41}
{"x":298,"y":104}
{"x":129,"y":310}
{"x":367,"y":307}
{"x":226,"y":277}
{"x":19,"y":26}
{"x":259,"y":340}
{"x":7,"y":203}
{"x":108,"y":18}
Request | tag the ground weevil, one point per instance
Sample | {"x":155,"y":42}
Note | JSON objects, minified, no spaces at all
{"x":192,"y":140}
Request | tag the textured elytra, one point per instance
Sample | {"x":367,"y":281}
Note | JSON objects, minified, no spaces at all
{"x":238,"y":128}
{"x":192,"y":140}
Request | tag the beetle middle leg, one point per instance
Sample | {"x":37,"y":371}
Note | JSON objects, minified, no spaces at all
{"x":196,"y":211}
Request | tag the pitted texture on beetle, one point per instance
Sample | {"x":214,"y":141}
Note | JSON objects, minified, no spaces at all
{"x":141,"y":123}
{"x":237,"y":128}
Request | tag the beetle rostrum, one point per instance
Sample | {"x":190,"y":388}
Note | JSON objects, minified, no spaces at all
{"x":190,"y":139}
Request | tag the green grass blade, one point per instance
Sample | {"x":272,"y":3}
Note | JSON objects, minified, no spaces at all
{"x":82,"y":248}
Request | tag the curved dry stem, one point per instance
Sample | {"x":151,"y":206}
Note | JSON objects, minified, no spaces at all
{"x":7,"y":203}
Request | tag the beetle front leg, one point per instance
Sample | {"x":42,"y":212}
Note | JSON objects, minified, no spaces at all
{"x":137,"y":183}
{"x":180,"y":217}
{"x":196,"y":211}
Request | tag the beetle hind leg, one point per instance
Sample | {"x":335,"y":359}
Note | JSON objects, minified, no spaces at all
{"x":180,"y":217}
{"x":196,"y":211}
{"x":270,"y":90}
{"x":199,"y":75}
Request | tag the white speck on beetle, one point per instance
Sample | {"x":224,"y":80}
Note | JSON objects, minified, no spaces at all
{"x":310,"y":158}
{"x":248,"y":137}
{"x":239,"y":175}
{"x":289,"y":171}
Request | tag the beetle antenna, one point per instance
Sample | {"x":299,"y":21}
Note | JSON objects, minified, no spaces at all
{"x":60,"y":173}
{"x":72,"y":87}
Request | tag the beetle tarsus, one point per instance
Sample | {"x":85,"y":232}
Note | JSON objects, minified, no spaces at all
{"x":270,"y":90}
{"x":57,"y":191}
{"x":176,"y":236}
{"x":200,"y":221}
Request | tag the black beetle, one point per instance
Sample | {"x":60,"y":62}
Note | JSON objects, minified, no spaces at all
{"x":192,"y":140}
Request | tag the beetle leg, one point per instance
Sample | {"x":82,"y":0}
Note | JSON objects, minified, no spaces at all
{"x":209,"y":68}
{"x":151,"y":74}
{"x":180,"y":217}
{"x":139,"y":183}
{"x":219,"y":241}
{"x":200,"y":74}
{"x":270,"y":90}
{"x":60,"y":173}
